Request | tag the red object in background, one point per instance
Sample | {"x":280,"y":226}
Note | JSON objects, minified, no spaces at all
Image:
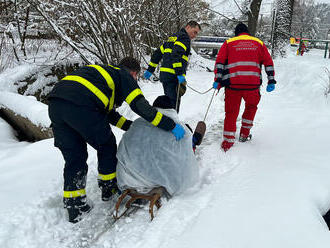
{"x":303,"y":48}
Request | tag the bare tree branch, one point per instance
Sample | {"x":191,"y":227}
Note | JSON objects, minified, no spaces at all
{"x":218,"y":13}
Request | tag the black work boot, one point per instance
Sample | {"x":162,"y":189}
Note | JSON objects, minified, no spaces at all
{"x":245,"y":138}
{"x":108,"y":188}
{"x":77,"y":208}
{"x":76,"y":213}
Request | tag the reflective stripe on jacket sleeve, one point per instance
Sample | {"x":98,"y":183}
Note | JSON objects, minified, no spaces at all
{"x":141,"y":107}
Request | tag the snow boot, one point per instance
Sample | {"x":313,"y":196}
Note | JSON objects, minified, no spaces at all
{"x":76,"y":213}
{"x":243,"y":138}
{"x":108,"y":188}
{"x":77,"y":208}
{"x":225,"y":145}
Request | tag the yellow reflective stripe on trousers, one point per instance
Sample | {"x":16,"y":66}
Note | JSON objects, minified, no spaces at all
{"x":121,"y":122}
{"x":157,"y":119}
{"x":169,"y":70}
{"x":109,"y":80}
{"x":185,"y":57}
{"x":99,"y":94}
{"x":132,"y":95}
{"x":175,"y":65}
{"x":107,"y":177}
{"x":74,"y":193}
{"x":181,"y":45}
{"x":153,"y":64}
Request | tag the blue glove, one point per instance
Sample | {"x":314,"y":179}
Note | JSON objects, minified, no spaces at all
{"x":181,"y":79}
{"x":178,"y":131}
{"x":215,"y":85}
{"x":270,"y":87}
{"x":147,"y":74}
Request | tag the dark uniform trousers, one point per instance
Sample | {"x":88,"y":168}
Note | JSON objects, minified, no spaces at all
{"x":73,"y":127}
{"x":174,"y":55}
{"x":171,"y":90}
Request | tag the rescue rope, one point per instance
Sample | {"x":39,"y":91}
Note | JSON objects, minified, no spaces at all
{"x":209,"y":105}
{"x":201,"y":93}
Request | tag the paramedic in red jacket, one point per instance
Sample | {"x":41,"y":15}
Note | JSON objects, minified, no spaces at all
{"x":238,"y":69}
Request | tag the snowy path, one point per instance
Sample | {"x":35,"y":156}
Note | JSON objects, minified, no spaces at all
{"x":270,"y":192}
{"x":281,"y":185}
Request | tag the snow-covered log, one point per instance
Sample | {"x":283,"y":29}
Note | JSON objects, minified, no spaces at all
{"x":28,"y":116}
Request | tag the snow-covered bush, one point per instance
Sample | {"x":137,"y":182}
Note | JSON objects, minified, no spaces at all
{"x":110,"y":30}
{"x":45,"y":64}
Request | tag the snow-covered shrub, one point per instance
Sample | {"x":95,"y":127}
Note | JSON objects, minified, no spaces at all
{"x":111,"y":30}
{"x":36,"y":79}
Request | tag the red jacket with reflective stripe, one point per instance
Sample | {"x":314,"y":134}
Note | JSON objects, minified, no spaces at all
{"x":239,"y":61}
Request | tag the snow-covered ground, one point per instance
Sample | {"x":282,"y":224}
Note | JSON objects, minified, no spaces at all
{"x":270,"y":192}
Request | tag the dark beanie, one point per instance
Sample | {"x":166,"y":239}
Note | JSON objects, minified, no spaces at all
{"x":241,"y":28}
{"x":163,"y":102}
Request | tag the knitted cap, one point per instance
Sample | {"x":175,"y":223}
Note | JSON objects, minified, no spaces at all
{"x":241,"y":28}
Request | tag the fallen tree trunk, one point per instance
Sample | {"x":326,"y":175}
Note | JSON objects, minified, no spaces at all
{"x":26,"y":115}
{"x":25,"y":129}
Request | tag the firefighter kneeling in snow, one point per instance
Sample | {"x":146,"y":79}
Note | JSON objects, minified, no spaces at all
{"x":81,"y":106}
{"x":238,"y":69}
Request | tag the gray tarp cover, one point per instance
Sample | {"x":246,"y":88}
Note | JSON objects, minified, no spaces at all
{"x":149,"y":156}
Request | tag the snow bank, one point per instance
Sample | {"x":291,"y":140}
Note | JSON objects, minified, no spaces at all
{"x":26,"y":106}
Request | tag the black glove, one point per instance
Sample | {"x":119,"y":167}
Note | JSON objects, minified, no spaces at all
{"x":182,"y":89}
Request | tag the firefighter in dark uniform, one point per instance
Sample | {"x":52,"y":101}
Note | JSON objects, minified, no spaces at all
{"x":174,"y":52}
{"x":81,"y":106}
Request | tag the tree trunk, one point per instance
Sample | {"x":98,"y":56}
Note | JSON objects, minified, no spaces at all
{"x":253,"y":16}
{"x":282,"y":28}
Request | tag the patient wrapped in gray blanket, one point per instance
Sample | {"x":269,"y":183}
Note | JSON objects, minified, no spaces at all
{"x":150,"y":157}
